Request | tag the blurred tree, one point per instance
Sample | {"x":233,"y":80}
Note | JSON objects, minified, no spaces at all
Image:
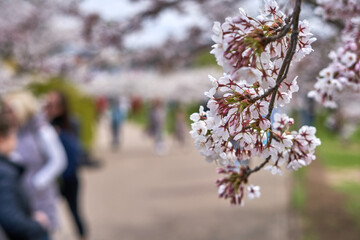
{"x":82,"y":106}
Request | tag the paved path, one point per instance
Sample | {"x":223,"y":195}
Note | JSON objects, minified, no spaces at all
{"x":137,"y":195}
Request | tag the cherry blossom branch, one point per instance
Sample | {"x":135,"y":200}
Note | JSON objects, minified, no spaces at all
{"x":237,"y":124}
{"x":258,"y":168}
{"x":283,"y":31}
{"x":290,"y":53}
{"x":339,"y":81}
{"x":282,"y":75}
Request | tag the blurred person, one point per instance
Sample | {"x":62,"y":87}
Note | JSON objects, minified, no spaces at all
{"x":307,"y":113}
{"x":156,"y":124}
{"x":118,"y":110}
{"x":180,"y":124}
{"x":40,"y":152}
{"x":101,"y":105}
{"x":57,"y":112}
{"x":17,"y":220}
{"x":2,"y":234}
{"x":136,"y":104}
{"x":124,"y":107}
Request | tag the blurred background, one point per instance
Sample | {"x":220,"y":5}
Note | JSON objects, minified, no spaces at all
{"x":126,"y":75}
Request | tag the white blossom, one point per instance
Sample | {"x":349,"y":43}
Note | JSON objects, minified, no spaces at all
{"x":253,"y":192}
{"x":237,"y":127}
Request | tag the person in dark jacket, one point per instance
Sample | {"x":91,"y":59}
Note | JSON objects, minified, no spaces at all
{"x":16,"y":217}
{"x":59,"y":116}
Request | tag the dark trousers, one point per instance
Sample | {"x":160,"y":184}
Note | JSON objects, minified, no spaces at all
{"x":115,"y":132}
{"x":70,"y":191}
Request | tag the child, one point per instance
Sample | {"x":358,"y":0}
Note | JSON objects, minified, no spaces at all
{"x":16,"y":218}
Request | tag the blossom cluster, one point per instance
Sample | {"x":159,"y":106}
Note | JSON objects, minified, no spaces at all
{"x":231,"y":187}
{"x":342,"y":76}
{"x":236,"y":125}
{"x":243,"y":45}
{"x":335,"y":9}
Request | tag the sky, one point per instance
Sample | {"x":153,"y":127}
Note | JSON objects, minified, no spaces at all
{"x":155,"y":31}
{"x":172,"y":23}
{"x":114,"y":9}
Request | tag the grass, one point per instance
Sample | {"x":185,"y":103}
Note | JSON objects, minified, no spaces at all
{"x":298,"y":197}
{"x":335,"y":152}
{"x":352,"y":192}
{"x":141,"y":117}
{"x":299,"y":200}
{"x":204,"y":59}
{"x":310,"y":236}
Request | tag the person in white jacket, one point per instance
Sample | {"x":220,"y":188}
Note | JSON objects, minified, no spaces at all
{"x":40,"y":151}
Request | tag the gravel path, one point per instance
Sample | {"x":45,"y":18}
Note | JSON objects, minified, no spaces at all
{"x":138,"y":195}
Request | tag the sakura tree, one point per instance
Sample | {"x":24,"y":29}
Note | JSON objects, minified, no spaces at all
{"x":256,"y":54}
{"x":49,"y":37}
{"x":172,"y":52}
{"x":341,"y":78}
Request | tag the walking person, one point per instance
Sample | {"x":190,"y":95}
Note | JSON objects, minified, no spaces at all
{"x":117,"y":116}
{"x":156,"y":125}
{"x":17,"y":220}
{"x":180,"y":125}
{"x":58,"y":114}
{"x":40,"y":152}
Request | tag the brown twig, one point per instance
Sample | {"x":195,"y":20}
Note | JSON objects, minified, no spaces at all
{"x":288,"y":57}
{"x":282,"y":74}
{"x":250,"y":171}
{"x":283,"y":31}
